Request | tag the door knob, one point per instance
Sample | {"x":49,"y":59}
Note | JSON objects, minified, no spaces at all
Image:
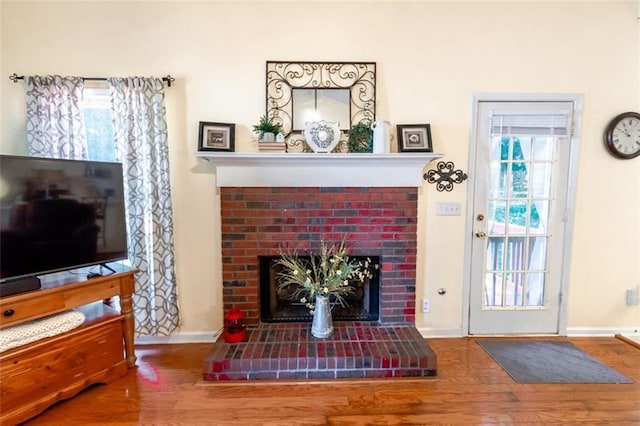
{"x":480,"y":234}
{"x":480,"y":217}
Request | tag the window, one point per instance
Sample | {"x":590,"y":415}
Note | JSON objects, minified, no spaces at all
{"x":98,"y":126}
{"x":96,"y":106}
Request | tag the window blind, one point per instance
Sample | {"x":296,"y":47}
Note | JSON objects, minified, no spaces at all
{"x":531,"y":124}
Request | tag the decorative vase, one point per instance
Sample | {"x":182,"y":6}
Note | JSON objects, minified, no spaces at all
{"x":268,"y":137}
{"x":322,"y":325}
{"x":322,"y":136}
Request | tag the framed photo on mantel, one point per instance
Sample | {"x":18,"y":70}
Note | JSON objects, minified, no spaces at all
{"x":414,"y":138}
{"x":216,"y":136}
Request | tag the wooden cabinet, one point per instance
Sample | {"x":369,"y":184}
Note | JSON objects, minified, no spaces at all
{"x":39,"y":374}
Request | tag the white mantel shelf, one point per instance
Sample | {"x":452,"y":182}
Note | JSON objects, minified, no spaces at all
{"x":319,"y":170}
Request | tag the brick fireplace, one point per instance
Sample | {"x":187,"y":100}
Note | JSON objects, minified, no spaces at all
{"x":258,"y":221}
{"x":287,"y":201}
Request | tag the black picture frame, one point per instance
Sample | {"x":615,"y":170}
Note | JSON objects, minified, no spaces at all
{"x":414,"y":138}
{"x":216,"y":136}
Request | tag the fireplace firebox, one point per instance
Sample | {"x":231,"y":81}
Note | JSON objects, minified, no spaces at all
{"x":278,"y":304}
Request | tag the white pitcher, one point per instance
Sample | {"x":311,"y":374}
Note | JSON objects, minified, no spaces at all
{"x":381,"y":136}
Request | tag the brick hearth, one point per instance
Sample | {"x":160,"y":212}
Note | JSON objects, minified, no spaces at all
{"x":289,"y":351}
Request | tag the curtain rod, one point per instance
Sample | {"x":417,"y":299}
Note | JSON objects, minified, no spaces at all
{"x":168,"y":79}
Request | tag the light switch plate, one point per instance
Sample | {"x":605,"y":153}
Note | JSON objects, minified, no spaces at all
{"x":448,"y":209}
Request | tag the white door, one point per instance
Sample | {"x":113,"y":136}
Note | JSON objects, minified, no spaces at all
{"x":520,"y":217}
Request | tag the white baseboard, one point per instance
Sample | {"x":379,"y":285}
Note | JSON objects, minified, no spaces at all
{"x":602,"y":331}
{"x":433,"y":332}
{"x":210,"y":337}
{"x":179,"y":337}
{"x":426,"y":332}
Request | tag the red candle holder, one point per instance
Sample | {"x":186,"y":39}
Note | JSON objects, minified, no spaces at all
{"x":234,"y":328}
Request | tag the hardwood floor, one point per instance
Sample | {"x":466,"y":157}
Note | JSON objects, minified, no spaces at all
{"x":470,"y":389}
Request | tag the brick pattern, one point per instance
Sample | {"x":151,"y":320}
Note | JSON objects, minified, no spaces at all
{"x":288,"y":351}
{"x":380,"y":222}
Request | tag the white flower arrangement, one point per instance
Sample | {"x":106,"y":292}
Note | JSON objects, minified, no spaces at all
{"x":327,"y":274}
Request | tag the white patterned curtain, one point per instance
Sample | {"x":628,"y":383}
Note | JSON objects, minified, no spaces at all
{"x":140,"y":130}
{"x":55,"y":127}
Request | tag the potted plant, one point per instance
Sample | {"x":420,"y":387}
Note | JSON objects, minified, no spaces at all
{"x":361,"y":137}
{"x":322,"y":279}
{"x":267,"y":129}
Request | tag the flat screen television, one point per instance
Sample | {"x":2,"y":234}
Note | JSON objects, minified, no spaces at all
{"x":58,"y":215}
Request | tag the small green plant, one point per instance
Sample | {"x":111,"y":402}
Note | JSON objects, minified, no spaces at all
{"x":266,"y":125}
{"x":361,"y":137}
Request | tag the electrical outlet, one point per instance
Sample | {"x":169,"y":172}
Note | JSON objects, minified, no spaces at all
{"x":631,"y":296}
{"x":448,"y":209}
{"x":426,"y":305}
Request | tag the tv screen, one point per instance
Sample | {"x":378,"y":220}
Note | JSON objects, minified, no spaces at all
{"x":59,"y":214}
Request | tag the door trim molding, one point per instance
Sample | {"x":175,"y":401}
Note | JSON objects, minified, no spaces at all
{"x":572,"y":180}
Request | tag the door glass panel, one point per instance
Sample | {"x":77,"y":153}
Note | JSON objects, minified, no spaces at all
{"x":541,"y":179}
{"x":543,"y":148}
{"x":493,"y":289}
{"x":497,"y":216}
{"x":539,"y":222}
{"x":496,"y":149}
{"x":537,"y":253}
{"x":534,"y":294}
{"x":514,"y":289}
{"x":518,"y":217}
{"x":498,"y":180}
{"x":494,"y":255}
{"x":514,"y":271}
{"x":520,"y":180}
{"x":519,"y":203}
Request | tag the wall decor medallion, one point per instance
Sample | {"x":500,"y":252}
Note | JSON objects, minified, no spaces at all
{"x":216,"y":136}
{"x":300,"y":92}
{"x":322,"y":136}
{"x":622,"y":136}
{"x":414,"y":138}
{"x":445,"y":176}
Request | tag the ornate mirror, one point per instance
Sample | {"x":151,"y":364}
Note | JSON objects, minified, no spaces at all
{"x":299,"y":92}
{"x":320,"y":104}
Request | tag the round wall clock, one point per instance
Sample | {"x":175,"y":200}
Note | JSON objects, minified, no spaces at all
{"x":622,"y":136}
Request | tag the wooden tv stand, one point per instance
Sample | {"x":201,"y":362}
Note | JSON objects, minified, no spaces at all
{"x":39,"y":374}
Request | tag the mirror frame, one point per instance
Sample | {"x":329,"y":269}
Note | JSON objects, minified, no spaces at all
{"x":282,"y":77}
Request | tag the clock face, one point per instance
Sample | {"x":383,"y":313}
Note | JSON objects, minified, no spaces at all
{"x":623,"y":135}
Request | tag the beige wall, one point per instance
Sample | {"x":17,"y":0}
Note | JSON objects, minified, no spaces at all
{"x":431,"y":58}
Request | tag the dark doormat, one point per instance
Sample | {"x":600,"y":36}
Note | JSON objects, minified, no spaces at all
{"x":549,"y":362}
